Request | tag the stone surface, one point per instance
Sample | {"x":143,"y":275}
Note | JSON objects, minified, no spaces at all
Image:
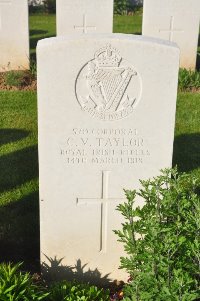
{"x":84,"y":16}
{"x":14,"y":35}
{"x":106,"y":106}
{"x":177,"y":21}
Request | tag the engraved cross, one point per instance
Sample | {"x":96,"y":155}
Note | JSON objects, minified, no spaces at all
{"x":171,"y":30}
{"x":2,"y":2}
{"x":104,"y":200}
{"x":84,"y":27}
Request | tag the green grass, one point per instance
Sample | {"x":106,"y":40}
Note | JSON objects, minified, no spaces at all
{"x":41,"y":26}
{"x":189,"y":80}
{"x":187,"y":133}
{"x":19,"y":212}
{"x":128,"y":24}
{"x":19,"y":226}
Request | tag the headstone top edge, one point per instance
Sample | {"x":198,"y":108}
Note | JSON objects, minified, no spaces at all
{"x":115,"y":36}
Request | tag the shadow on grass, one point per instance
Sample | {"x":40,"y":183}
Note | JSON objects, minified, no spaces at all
{"x":33,"y":44}
{"x":19,"y":220}
{"x":137,"y":33}
{"x":134,"y":33}
{"x":53,"y":270}
{"x":186,"y":152}
{"x":19,"y":232}
{"x":12,"y":135}
{"x":33,"y":32}
{"x":18,"y":167}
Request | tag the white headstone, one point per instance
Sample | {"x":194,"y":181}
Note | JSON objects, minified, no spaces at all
{"x":106,"y":119}
{"x":177,"y":21}
{"x":14,"y":35}
{"x":84,"y":16}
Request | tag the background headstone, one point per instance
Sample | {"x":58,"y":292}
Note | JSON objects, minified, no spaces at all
{"x":84,"y":16}
{"x":106,"y":119}
{"x":177,"y":21}
{"x":14,"y":35}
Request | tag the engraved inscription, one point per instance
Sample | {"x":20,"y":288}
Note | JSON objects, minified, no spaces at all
{"x":108,"y":87}
{"x":84,"y":27}
{"x":104,"y":146}
{"x":104,"y":200}
{"x":2,"y":2}
{"x":171,"y":30}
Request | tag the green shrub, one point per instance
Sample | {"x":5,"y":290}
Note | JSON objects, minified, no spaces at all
{"x":36,"y":9}
{"x":72,"y":291}
{"x":14,"y":78}
{"x":18,"y":286}
{"x":21,"y":78}
{"x":33,"y":69}
{"x":49,"y":6}
{"x":123,"y":7}
{"x":162,"y":239}
{"x":189,"y":80}
{"x":120,"y":7}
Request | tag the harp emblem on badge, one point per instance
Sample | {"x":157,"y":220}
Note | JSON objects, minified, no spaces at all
{"x":108,"y":89}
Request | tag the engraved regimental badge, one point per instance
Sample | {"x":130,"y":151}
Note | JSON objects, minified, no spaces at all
{"x":108,"y":87}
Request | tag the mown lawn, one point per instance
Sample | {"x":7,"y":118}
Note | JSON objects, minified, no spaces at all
{"x":19,"y":221}
{"x":41,"y":26}
{"x":128,"y":24}
{"x":187,"y":133}
{"x":19,"y":212}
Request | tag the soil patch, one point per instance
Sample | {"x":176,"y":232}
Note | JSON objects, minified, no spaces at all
{"x":27,"y":81}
